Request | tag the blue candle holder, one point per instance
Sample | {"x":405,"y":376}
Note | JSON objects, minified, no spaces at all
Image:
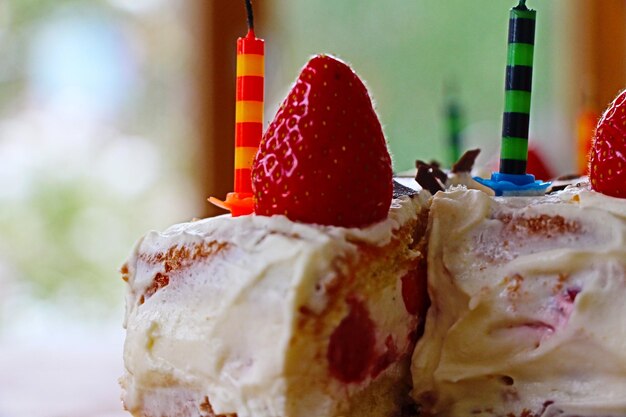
{"x":514,"y":185}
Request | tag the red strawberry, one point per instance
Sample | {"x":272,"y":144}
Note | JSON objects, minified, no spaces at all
{"x":607,"y":165}
{"x":324,"y":158}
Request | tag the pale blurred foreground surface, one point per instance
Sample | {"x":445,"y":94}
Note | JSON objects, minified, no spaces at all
{"x":95,"y":143}
{"x":55,"y":365}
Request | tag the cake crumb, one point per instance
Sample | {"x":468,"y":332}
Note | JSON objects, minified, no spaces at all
{"x":544,"y":225}
{"x":205,"y":407}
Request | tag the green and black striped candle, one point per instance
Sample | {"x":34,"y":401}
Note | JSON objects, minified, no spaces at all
{"x":519,"y":74}
{"x":454,"y":124}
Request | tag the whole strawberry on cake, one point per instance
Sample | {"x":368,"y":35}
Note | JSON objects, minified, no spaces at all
{"x":309,"y":307}
{"x":324,"y":151}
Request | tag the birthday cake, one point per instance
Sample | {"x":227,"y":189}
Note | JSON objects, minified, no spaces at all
{"x":526,"y":316}
{"x":312,"y":309}
{"x":347,"y":294}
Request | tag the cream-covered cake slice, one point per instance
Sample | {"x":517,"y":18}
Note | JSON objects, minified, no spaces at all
{"x":263,"y":317}
{"x":528,"y":317}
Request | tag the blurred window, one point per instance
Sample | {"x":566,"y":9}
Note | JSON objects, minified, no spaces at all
{"x":95,"y":141}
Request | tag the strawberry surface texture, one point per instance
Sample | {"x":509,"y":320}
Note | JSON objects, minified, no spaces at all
{"x":607,"y":162}
{"x":324,"y":158}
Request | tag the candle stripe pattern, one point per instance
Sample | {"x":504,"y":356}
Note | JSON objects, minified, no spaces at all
{"x":249,"y":108}
{"x":249,"y":111}
{"x":250,"y":64}
{"x":454,"y":130}
{"x":518,"y":87}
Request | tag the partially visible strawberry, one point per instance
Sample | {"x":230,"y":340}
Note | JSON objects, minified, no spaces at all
{"x":607,"y":165}
{"x":324,"y":158}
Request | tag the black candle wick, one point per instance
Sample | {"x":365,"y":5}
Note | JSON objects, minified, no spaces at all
{"x":250,"y":14}
{"x":522,"y":5}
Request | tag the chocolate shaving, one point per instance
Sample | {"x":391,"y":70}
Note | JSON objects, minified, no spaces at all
{"x":466,"y":162}
{"x":434,"y":169}
{"x":399,"y":190}
{"x":430,"y":177}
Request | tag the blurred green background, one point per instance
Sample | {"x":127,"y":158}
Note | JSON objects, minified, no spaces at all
{"x":95,"y":141}
{"x":408,"y":52}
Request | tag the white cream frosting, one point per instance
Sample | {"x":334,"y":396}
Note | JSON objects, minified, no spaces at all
{"x":224,"y":325}
{"x":466,"y":179}
{"x":525,"y":317}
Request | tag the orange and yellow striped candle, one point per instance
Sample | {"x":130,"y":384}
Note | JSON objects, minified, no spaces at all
{"x":249,"y":108}
{"x":249,"y":118}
